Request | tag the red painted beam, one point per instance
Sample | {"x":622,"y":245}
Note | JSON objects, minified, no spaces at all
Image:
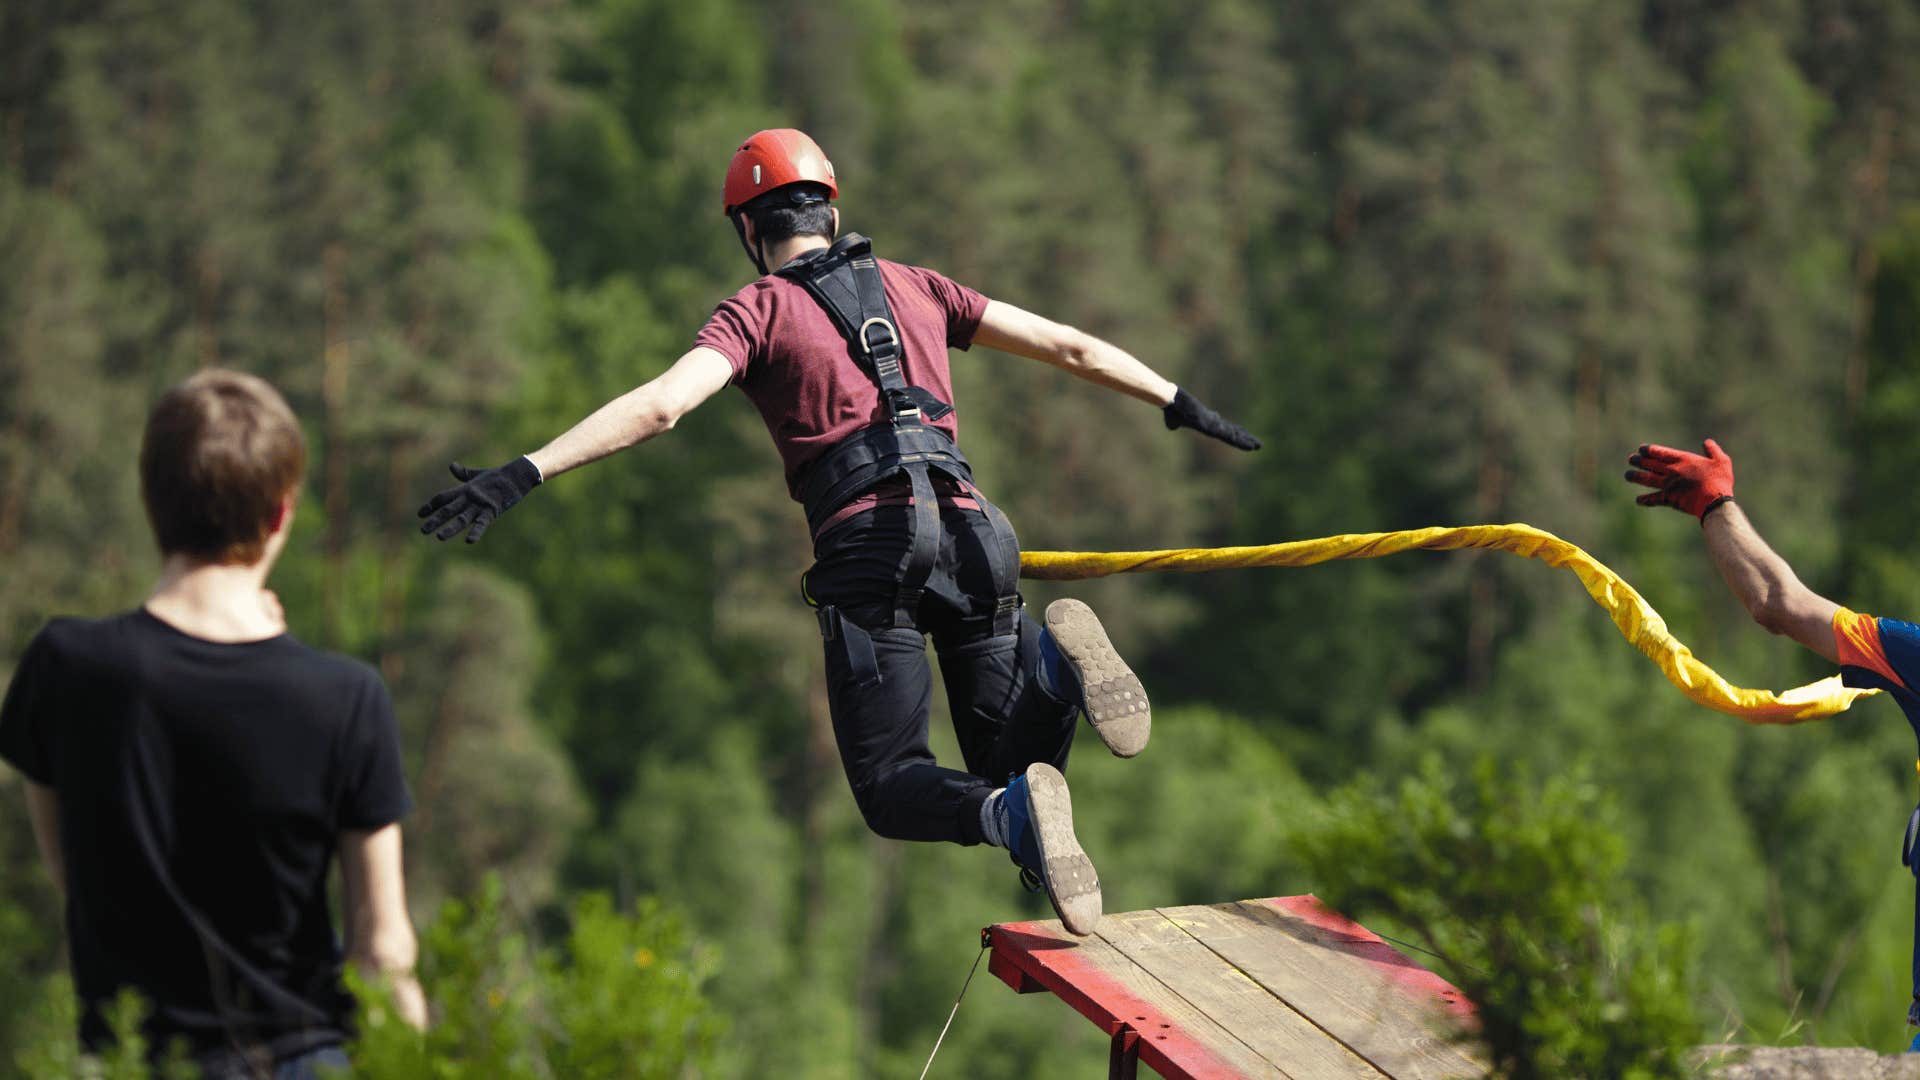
{"x":1025,"y":954}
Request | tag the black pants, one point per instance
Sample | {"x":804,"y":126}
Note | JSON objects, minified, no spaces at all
{"x":881,"y":707}
{"x":232,"y":1065}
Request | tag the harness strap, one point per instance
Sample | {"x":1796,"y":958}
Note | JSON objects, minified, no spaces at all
{"x":872,"y":454}
{"x":923,"y":548}
{"x":1003,"y":561}
{"x":845,"y":280}
{"x":1910,"y":858}
{"x":856,"y":300}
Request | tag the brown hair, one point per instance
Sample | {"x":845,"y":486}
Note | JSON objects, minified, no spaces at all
{"x":221,"y":451}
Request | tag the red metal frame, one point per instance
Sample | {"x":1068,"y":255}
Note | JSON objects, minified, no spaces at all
{"x":1032,"y":957}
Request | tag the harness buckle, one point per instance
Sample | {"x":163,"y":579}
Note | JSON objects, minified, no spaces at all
{"x":901,"y":404}
{"x":868,"y":345}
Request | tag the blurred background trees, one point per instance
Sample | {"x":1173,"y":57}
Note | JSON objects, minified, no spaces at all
{"x":1451,"y":260}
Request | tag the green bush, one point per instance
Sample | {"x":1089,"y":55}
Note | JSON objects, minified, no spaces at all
{"x":49,"y":1050}
{"x":1517,"y":889}
{"x":623,"y":999}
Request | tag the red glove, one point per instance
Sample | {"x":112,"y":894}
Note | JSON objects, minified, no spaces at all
{"x":1682,"y":480}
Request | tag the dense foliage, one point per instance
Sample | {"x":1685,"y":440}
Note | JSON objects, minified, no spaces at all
{"x":621,"y":999}
{"x":1568,"y":977}
{"x":1452,"y":260}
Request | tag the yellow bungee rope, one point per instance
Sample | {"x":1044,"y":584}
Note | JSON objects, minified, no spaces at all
{"x":1637,"y":620}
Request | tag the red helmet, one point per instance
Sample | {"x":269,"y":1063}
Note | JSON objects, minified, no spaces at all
{"x":773,"y":159}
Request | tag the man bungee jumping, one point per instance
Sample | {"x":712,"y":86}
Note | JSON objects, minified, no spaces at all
{"x":1882,"y":654}
{"x":845,"y":356}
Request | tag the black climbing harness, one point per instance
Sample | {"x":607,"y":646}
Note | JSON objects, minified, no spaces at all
{"x":1909,"y":848}
{"x":845,"y":279}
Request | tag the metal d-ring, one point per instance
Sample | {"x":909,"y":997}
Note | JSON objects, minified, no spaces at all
{"x":892,"y":334}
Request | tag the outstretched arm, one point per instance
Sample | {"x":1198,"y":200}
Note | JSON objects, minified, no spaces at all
{"x":637,"y":415}
{"x":628,"y":420}
{"x":1766,"y":585}
{"x":1022,"y":333}
{"x":1702,"y":485}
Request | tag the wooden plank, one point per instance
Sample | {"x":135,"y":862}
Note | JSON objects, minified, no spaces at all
{"x":1360,"y":941}
{"x":1348,"y":982}
{"x":1176,"y":1040}
{"x":1230,"y":998}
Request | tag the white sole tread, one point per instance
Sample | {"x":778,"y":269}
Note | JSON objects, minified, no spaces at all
{"x":1071,"y":883}
{"x":1116,"y":701}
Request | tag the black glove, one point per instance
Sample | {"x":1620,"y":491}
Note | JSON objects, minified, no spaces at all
{"x":1186,"y":411}
{"x":483,"y":494}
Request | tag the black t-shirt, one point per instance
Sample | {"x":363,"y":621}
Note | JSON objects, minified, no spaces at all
{"x":202,"y":787}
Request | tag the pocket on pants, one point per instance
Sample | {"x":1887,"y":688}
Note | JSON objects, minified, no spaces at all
{"x":849,"y":648}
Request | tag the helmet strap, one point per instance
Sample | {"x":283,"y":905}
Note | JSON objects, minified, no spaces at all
{"x":752,"y":250}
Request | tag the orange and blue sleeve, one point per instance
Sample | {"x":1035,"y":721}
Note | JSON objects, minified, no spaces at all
{"x":1884,"y":652}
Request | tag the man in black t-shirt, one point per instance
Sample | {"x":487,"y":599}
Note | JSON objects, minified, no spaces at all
{"x":192,"y":769}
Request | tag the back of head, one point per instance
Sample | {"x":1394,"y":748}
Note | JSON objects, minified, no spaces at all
{"x":781,"y":181}
{"x":221,"y":455}
{"x":795,"y":210}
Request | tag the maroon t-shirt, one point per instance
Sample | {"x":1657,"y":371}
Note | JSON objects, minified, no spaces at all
{"x":794,"y":366}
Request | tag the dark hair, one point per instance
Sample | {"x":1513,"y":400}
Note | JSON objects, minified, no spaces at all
{"x":221,"y":451}
{"x":795,"y":210}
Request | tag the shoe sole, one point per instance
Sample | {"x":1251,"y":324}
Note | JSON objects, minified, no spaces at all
{"x":1116,"y":702}
{"x":1067,"y":874}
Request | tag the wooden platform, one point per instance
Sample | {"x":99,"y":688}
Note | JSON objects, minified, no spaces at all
{"x":1284,"y":987}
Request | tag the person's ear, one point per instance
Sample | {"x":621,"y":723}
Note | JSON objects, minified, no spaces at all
{"x":746,"y":226}
{"x":283,"y":518}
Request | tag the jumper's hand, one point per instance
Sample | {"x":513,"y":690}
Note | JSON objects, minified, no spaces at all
{"x":483,"y":495}
{"x":1694,"y":483}
{"x":1186,"y":411}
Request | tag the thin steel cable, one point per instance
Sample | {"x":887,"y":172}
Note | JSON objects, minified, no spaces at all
{"x":955,"y":1012}
{"x":1448,"y":960}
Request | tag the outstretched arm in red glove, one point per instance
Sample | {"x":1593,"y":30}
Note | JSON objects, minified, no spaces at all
{"x":1702,"y":485}
{"x":1695,"y":483}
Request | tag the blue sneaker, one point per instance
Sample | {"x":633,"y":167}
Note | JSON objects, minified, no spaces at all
{"x":1040,"y":839}
{"x":1914,"y":1046}
{"x":1080,"y":666}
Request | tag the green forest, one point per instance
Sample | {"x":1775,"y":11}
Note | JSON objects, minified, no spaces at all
{"x":1452,"y":260}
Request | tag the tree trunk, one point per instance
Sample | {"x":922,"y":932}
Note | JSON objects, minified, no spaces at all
{"x":822,"y":768}
{"x":1490,"y":488}
{"x":1870,"y":191}
{"x":335,"y":364}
